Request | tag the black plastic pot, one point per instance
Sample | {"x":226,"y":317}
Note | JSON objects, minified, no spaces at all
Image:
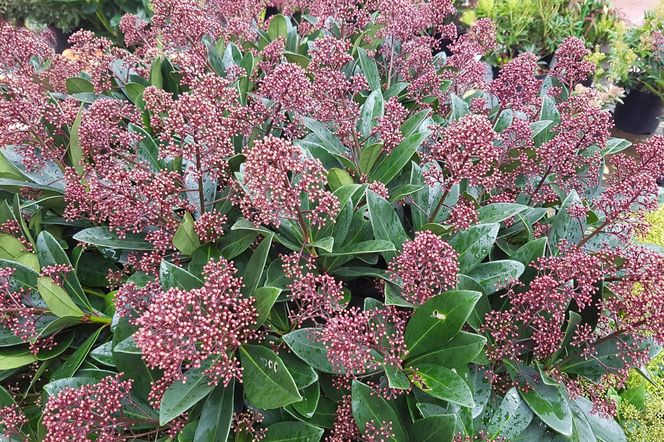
{"x":639,"y":112}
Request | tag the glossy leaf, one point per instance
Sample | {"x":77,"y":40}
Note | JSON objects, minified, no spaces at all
{"x":293,"y":432}
{"x":216,"y":416}
{"x":439,"y":428}
{"x":368,"y":407}
{"x":181,"y":396}
{"x":442,"y":383}
{"x":185,"y":239}
{"x":267,"y":382}
{"x":474,"y":244}
{"x":438,"y":320}
{"x":57,"y":300}
{"x":511,"y":417}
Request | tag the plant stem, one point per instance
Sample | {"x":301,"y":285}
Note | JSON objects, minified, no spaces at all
{"x":439,"y":206}
{"x":201,"y":193}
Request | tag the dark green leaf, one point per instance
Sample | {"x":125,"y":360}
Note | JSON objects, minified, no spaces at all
{"x":77,"y":85}
{"x":306,"y":344}
{"x":49,"y":253}
{"x":310,"y":396}
{"x":458,"y":352}
{"x":606,"y":429}
{"x":546,"y":401}
{"x":363,"y":248}
{"x":181,"y":396}
{"x":442,"y":383}
{"x":278,"y":27}
{"x":57,"y":300}
{"x":236,"y":242}
{"x":385,"y":223}
{"x":265,"y":298}
{"x":254,"y":271}
{"x":370,"y":69}
{"x":392,"y":164}
{"x":102,"y":236}
{"x":497,"y":212}
{"x":368,"y":407}
{"x":438,"y":320}
{"x":496,"y":274}
{"x":474,"y":244}
{"x":74,"y":362}
{"x":434,"y":429}
{"x":215,"y":421}
{"x":293,"y":432}
{"x":267,"y":382}
{"x":510,"y":418}
{"x":396,"y":378}
{"x":172,"y":276}
{"x":185,"y":238}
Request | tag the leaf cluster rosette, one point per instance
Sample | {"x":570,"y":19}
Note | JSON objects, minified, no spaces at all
{"x":313,"y":226}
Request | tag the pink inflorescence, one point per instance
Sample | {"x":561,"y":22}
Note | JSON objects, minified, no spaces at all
{"x":426,"y":266}
{"x":75,"y":414}
{"x":210,"y":226}
{"x":389,"y":127}
{"x":571,"y":64}
{"x":466,"y":150}
{"x":17,"y":311}
{"x":345,"y":428}
{"x":354,"y":338}
{"x":517,"y":87}
{"x":181,"y":329}
{"x":12,"y":420}
{"x":276,"y":175}
{"x":318,"y":296}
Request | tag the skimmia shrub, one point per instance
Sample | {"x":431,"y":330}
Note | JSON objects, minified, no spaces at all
{"x":315,"y":226}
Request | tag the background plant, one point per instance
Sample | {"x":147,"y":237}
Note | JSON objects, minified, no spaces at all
{"x":540,"y":26}
{"x":635,"y":59}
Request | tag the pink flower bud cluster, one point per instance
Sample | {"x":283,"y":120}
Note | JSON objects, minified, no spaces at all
{"x":89,"y":54}
{"x":572,"y":156}
{"x":57,"y":272}
{"x":389,"y":126}
{"x":358,"y":341}
{"x":246,"y":423}
{"x":468,"y":71}
{"x":418,"y":67}
{"x":542,"y":308}
{"x":317,"y":296}
{"x":463,"y":215}
{"x":277,"y":175}
{"x":180,"y":26}
{"x":210,"y":226}
{"x":200,"y":124}
{"x":132,"y":300}
{"x":181,"y":329}
{"x":374,"y":432}
{"x":345,"y":429}
{"x":571,"y":65}
{"x":332,"y":90}
{"x":18,"y":312}
{"x":632,"y":190}
{"x":94,"y":410}
{"x":426,"y":266}
{"x":12,"y":420}
{"x":516,"y":87}
{"x":465,"y":149}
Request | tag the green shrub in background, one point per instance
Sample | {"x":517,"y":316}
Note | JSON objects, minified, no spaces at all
{"x":540,"y":26}
{"x":101,"y":16}
{"x":636,"y":56}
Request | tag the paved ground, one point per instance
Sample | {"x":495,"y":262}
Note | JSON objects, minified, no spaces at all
{"x":633,"y":9}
